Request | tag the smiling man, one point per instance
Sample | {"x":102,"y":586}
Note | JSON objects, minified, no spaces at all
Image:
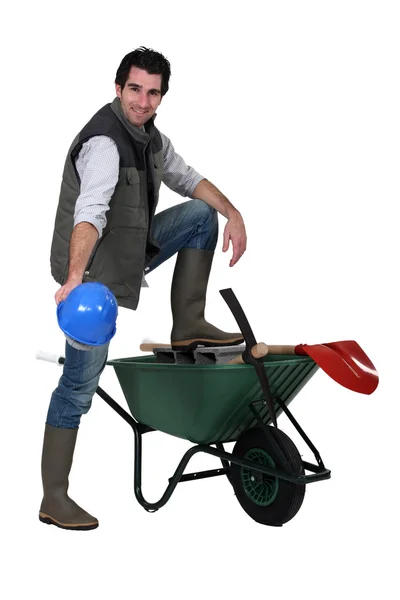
{"x":107,"y":230}
{"x":140,"y":96}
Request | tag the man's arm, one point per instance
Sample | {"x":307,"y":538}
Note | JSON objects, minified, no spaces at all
{"x":98,"y":169}
{"x":178,"y":176}
{"x":235,"y":230}
{"x":184,"y":180}
{"x":83,"y":238}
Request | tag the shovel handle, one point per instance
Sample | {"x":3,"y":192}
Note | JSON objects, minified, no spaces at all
{"x":285,"y":349}
{"x":257,"y":351}
{"x":261,"y":349}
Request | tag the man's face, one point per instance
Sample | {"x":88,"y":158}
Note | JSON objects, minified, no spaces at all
{"x":140,"y":97}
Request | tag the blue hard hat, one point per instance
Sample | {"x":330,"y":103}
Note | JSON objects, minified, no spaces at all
{"x":89,"y":313}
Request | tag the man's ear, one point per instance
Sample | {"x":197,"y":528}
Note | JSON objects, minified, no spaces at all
{"x":118,"y":90}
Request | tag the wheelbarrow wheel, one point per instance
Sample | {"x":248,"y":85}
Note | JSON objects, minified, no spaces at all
{"x":266,"y":499}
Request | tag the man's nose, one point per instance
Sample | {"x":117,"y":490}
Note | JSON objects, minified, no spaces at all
{"x":143,"y":100}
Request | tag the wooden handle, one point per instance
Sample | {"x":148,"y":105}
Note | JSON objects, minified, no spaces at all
{"x":257,"y":351}
{"x":285,"y":349}
{"x":149,"y":346}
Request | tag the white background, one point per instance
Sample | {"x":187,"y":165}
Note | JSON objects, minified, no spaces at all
{"x":292,"y":109}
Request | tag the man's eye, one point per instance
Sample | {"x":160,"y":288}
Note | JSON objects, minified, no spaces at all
{"x":154,"y":93}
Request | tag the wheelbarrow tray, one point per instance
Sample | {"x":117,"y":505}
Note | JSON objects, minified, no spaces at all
{"x":206,"y":404}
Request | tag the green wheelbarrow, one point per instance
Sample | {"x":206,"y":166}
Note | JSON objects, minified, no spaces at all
{"x":211,"y":405}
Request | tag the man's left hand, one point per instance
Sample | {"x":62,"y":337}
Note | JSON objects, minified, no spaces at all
{"x":235,"y":232}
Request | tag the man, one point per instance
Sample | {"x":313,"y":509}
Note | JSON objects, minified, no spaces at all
{"x":106,"y":230}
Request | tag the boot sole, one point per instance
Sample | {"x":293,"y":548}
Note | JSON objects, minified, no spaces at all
{"x":75,"y":526}
{"x":187,"y":345}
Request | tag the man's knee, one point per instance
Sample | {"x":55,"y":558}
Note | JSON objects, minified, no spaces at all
{"x":78,"y":393}
{"x":82,"y":401}
{"x":204,"y":212}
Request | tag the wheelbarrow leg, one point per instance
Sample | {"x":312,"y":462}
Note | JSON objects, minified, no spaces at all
{"x":225,"y":463}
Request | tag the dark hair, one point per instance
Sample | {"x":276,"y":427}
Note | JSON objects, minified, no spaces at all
{"x":148,"y":60}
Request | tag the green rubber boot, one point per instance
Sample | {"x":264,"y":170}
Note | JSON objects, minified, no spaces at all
{"x":188,"y":300}
{"x":57,"y":508}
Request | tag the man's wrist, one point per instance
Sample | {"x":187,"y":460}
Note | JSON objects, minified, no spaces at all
{"x":74,"y":277}
{"x":233,"y":213}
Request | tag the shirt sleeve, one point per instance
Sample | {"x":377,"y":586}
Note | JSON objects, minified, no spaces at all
{"x":178,"y":176}
{"x":98,"y":168}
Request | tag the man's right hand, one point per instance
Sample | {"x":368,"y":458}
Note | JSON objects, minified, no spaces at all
{"x":63,"y":292}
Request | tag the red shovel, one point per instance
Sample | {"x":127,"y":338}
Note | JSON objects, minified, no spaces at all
{"x":345,"y":362}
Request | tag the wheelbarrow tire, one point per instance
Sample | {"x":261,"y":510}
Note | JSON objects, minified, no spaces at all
{"x":268,"y":500}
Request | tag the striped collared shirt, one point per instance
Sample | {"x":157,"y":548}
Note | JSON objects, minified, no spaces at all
{"x":98,"y":168}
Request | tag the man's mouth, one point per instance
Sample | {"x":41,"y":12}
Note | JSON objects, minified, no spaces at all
{"x":139,"y":112}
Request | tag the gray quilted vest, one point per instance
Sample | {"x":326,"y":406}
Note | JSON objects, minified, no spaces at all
{"x":121,"y":254}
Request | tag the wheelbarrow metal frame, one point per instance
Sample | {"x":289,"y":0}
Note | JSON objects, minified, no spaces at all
{"x":319,"y":471}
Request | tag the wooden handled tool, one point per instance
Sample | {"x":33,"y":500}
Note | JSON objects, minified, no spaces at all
{"x":285,"y":349}
{"x":257,"y":351}
{"x":149,"y":346}
{"x":343,"y":361}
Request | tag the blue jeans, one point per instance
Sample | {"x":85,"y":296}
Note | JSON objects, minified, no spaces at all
{"x":191,"y":224}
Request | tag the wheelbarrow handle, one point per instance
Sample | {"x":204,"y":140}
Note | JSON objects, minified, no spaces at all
{"x":257,"y":351}
{"x":54,"y":358}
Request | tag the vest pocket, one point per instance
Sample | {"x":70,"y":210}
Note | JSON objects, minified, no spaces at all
{"x":158,"y":175}
{"x":118,"y":259}
{"x":132,"y":177}
{"x":127,"y":191}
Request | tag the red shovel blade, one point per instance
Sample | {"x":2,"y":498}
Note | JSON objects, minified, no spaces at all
{"x":346,"y":363}
{"x":355,"y":355}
